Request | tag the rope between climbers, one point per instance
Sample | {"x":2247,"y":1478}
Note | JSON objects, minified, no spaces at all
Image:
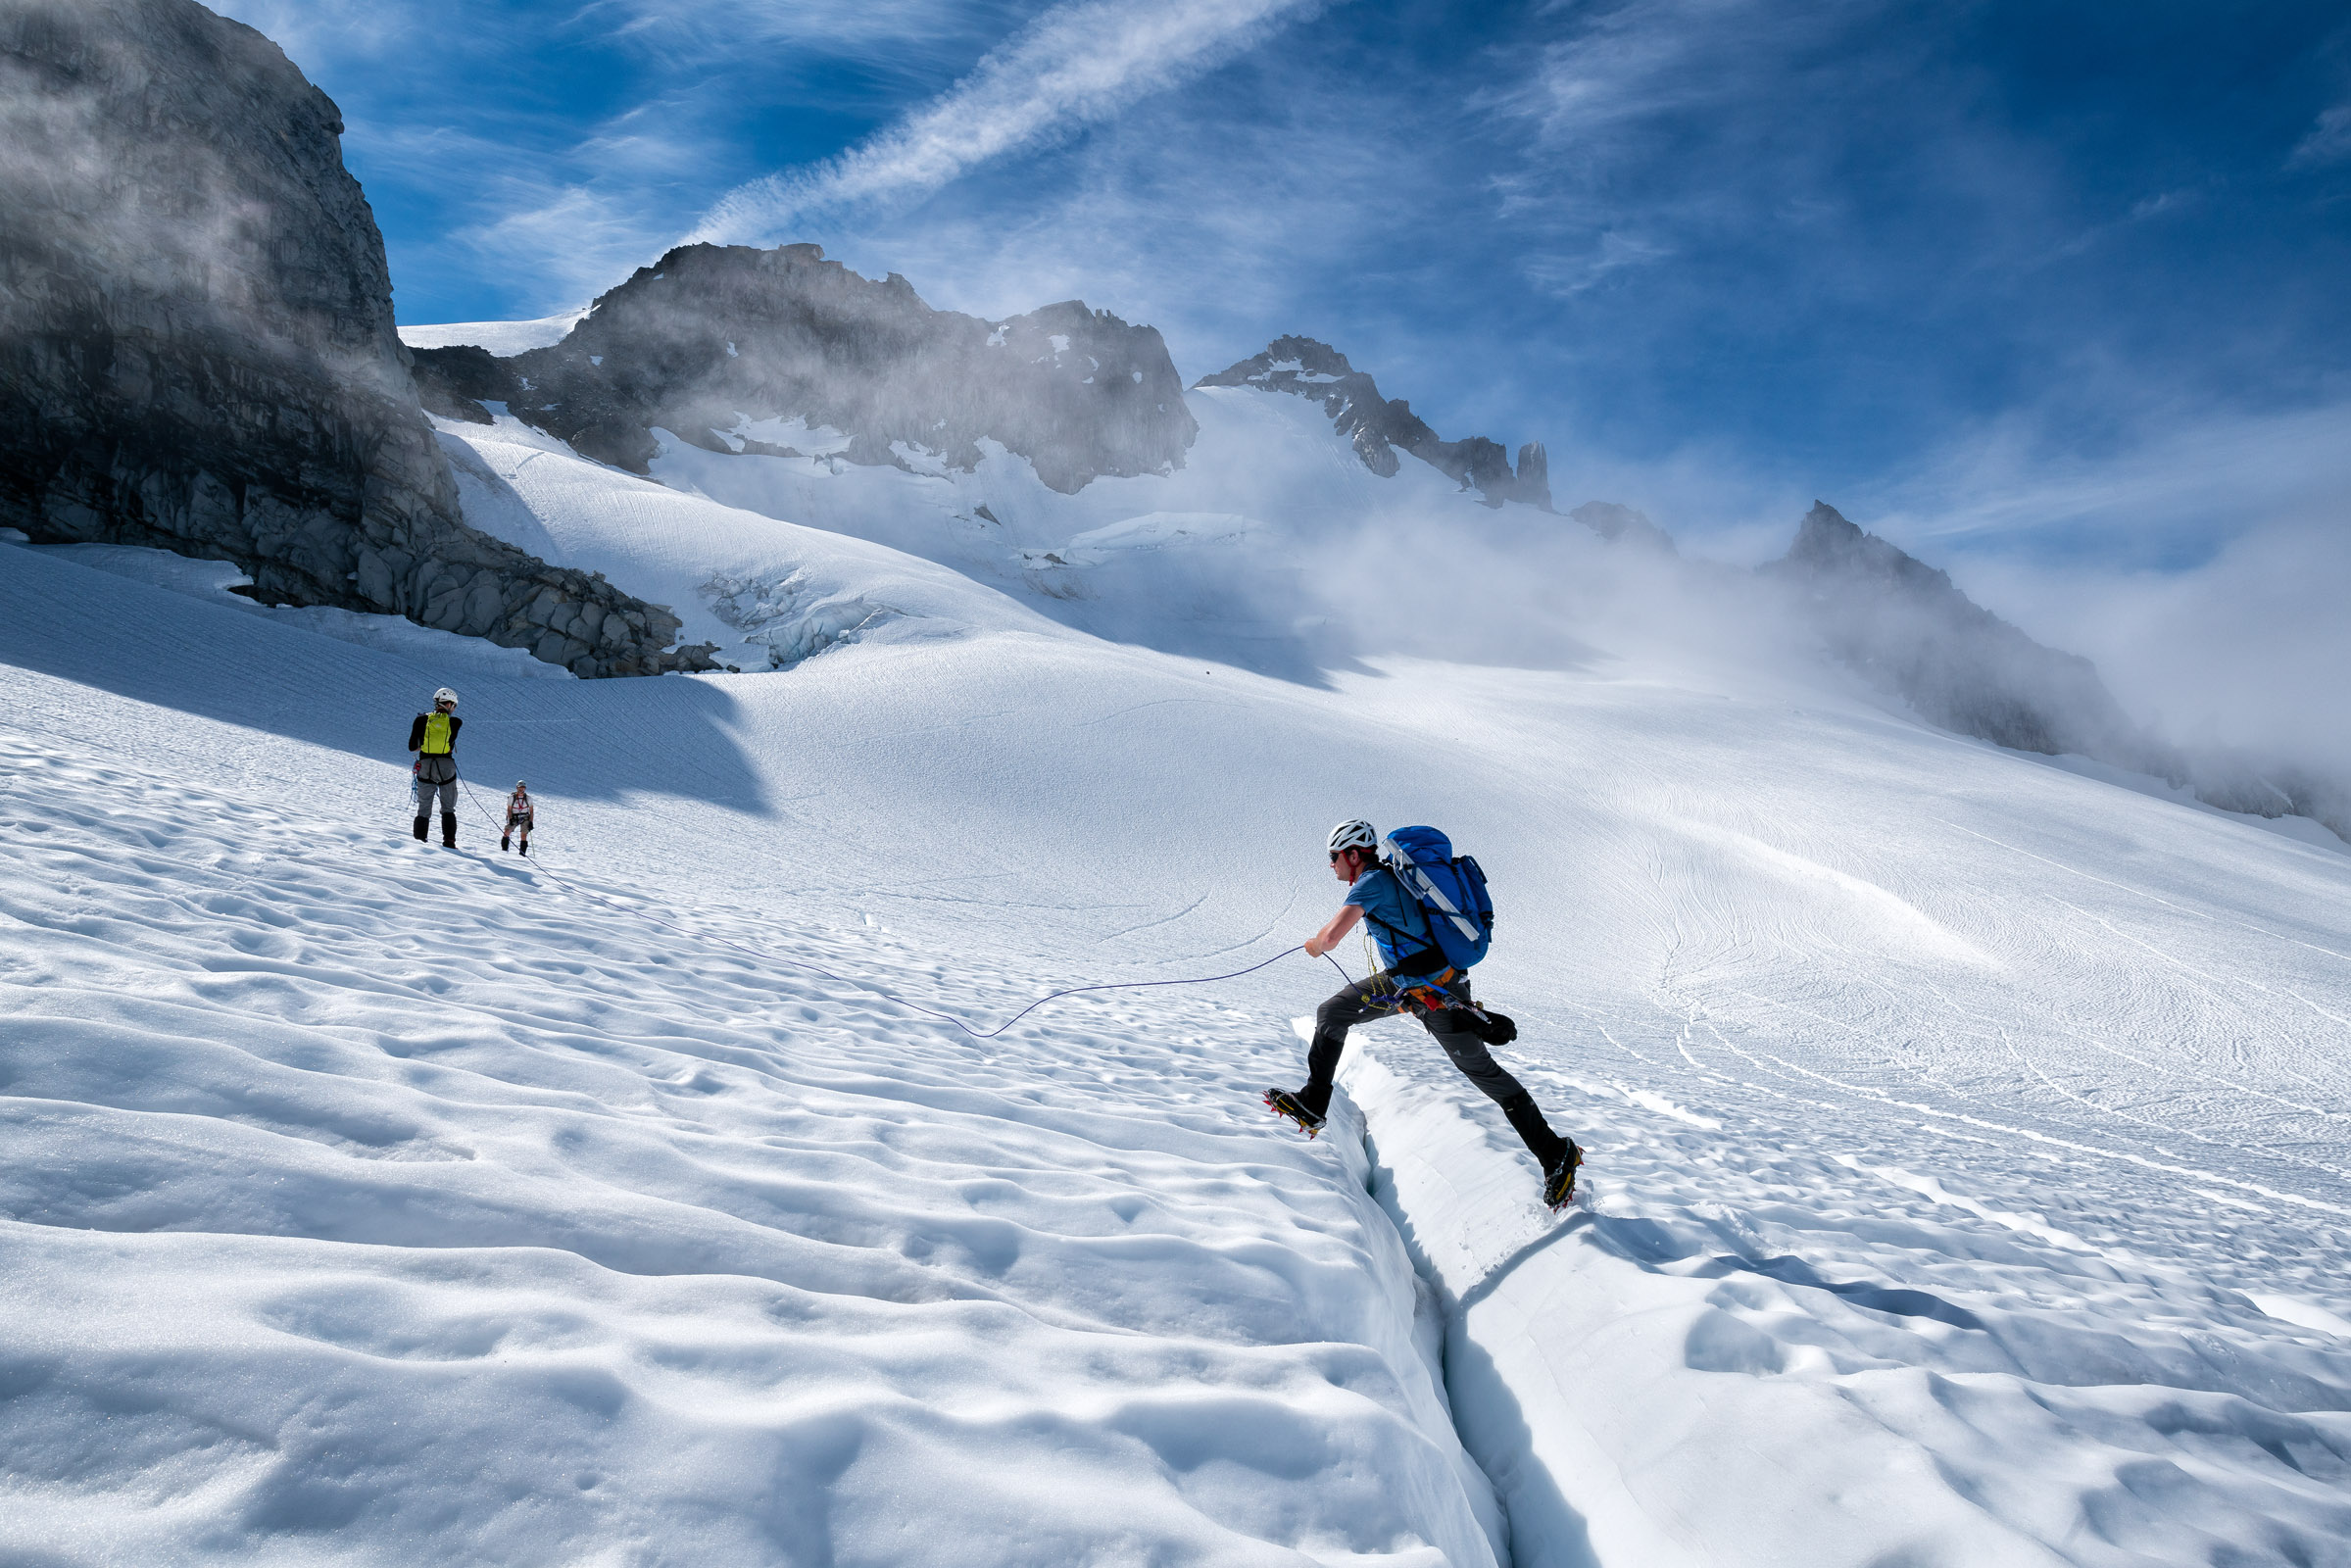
{"x":915,"y":1006}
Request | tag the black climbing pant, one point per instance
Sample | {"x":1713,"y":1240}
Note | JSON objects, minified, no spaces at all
{"x":1452,"y":1029}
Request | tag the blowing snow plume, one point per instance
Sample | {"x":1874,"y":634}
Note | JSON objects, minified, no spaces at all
{"x":197,"y":349}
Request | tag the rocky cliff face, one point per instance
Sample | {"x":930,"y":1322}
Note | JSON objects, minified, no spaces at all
{"x":197,"y":349}
{"x":1902,"y":624}
{"x":713,"y":337}
{"x":1909,"y":630}
{"x":1378,"y":426}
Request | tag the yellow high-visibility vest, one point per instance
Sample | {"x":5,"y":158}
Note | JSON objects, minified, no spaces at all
{"x":436,"y":734}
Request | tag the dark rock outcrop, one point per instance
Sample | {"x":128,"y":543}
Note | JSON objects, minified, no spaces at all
{"x":1614,"y":522}
{"x":712,"y":336}
{"x":1534,"y":475}
{"x":1377,"y":426}
{"x":1908,"y":630}
{"x":196,"y":341}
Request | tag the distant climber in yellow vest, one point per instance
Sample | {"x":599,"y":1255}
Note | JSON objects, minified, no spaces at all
{"x":433,"y":738}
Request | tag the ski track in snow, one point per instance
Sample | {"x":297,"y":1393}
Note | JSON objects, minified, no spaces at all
{"x":1967,"y":1172}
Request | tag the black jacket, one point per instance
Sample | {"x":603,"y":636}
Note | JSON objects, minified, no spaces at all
{"x":416,"y":733}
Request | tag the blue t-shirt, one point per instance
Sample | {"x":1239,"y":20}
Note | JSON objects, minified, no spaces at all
{"x":1398,"y":927}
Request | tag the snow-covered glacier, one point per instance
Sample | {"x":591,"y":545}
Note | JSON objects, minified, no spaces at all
{"x":1968,"y":1172}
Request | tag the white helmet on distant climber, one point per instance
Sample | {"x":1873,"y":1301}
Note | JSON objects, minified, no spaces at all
{"x":1352,"y":834}
{"x":445,"y":694}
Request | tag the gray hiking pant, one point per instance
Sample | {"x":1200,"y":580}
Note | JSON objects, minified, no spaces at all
{"x":436,"y":775}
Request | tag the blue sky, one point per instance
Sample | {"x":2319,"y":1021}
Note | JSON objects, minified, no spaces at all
{"x":2051,"y":292}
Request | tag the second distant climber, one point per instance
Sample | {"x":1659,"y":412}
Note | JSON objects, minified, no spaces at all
{"x":521,"y":815}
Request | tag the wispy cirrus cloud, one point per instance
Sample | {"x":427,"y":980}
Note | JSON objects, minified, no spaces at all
{"x":1075,"y":64}
{"x":879,"y":32}
{"x":688,"y":35}
{"x":2329,"y":140}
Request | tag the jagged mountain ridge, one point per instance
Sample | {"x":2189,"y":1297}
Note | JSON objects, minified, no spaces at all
{"x":712,"y":338}
{"x":1377,"y":426}
{"x":1908,"y":629}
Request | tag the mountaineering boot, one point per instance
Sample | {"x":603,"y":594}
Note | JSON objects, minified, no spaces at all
{"x":1282,"y":1103}
{"x":449,"y":830}
{"x":526,"y":845}
{"x":1547,"y":1146}
{"x":1559,"y":1182}
{"x":417,"y":828}
{"x":506,"y":841}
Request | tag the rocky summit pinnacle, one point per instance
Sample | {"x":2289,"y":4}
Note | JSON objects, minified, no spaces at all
{"x":712,"y":337}
{"x":1377,"y":426}
{"x":196,"y":341}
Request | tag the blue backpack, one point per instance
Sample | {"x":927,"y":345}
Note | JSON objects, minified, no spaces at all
{"x":1450,"y":888}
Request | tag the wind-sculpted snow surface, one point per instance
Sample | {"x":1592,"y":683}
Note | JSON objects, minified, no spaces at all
{"x":379,"y":1207}
{"x":1969,"y":1170}
{"x":1971,"y":1181}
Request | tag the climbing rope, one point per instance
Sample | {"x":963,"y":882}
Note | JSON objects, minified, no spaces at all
{"x":648,"y":916}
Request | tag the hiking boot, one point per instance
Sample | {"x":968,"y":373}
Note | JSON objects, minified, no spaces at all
{"x":417,"y":827}
{"x":1559,"y":1182}
{"x":449,"y":830}
{"x":1282,"y":1103}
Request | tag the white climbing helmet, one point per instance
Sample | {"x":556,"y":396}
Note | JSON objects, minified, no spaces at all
{"x":1352,"y":834}
{"x":445,"y":694}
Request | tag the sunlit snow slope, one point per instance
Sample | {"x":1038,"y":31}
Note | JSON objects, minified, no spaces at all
{"x":1969,"y":1174}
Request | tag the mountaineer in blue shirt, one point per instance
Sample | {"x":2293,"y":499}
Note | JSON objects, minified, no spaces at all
{"x":1413,"y":977}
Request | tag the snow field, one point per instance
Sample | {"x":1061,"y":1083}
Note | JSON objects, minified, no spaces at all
{"x":1952,"y":1202}
{"x":502,"y":338}
{"x":1780,"y":1360}
{"x":365,"y":1201}
{"x":1968,"y":1173}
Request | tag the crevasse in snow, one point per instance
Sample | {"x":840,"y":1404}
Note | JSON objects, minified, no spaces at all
{"x":1968,"y":1176}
